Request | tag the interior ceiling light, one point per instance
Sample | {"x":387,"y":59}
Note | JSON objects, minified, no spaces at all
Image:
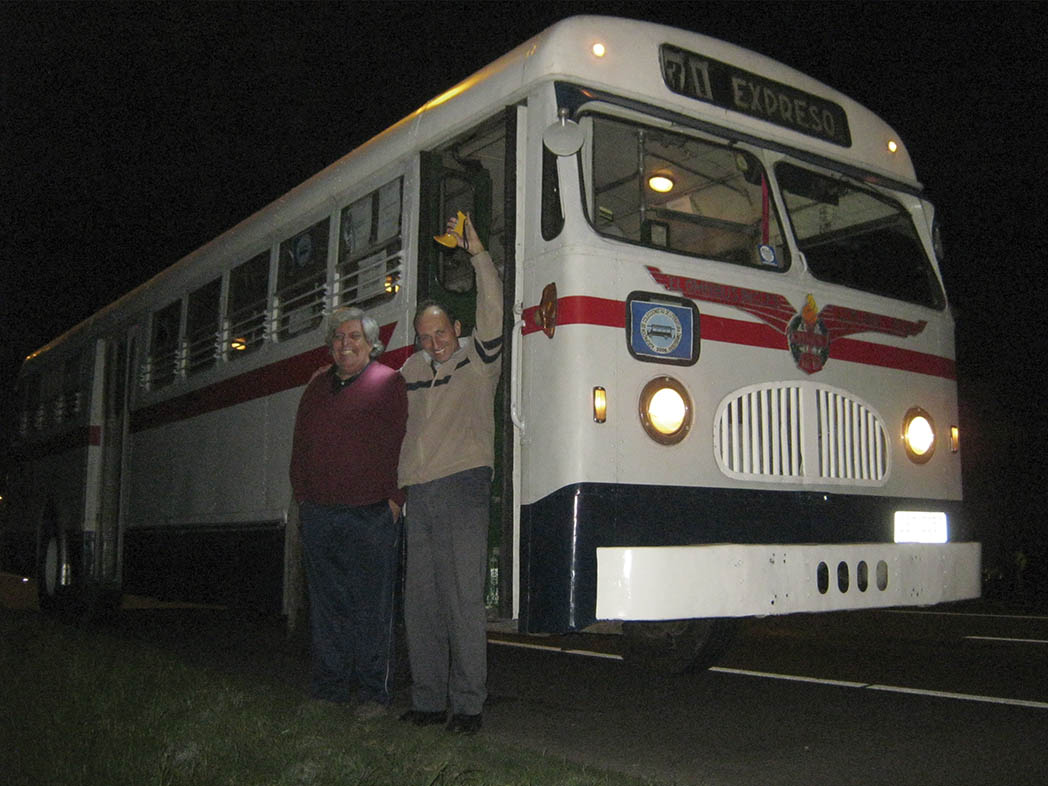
{"x":661,"y":183}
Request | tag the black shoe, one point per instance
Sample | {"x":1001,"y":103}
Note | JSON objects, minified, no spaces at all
{"x":465,"y":724}
{"x":420,"y":718}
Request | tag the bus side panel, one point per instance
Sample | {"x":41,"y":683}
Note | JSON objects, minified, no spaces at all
{"x":208,"y":504}
{"x":227,"y":466}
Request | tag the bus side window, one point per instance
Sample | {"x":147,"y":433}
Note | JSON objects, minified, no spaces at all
{"x":454,"y":272}
{"x":29,"y":400}
{"x":246,"y":306}
{"x":202,"y":309}
{"x":163,"y":360}
{"x":41,"y":410}
{"x":301,"y":280}
{"x":71,"y":399}
{"x":370,"y":259}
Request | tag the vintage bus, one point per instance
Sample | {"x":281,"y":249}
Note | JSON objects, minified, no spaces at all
{"x":729,"y":386}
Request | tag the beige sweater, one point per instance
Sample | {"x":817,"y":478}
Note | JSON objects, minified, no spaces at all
{"x":451,"y":424}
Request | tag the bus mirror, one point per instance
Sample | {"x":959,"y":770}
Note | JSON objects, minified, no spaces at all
{"x":564,"y":137}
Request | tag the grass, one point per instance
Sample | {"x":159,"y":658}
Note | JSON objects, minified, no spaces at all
{"x":82,"y":707}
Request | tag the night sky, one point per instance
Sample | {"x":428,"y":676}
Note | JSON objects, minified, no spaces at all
{"x":135,"y":133}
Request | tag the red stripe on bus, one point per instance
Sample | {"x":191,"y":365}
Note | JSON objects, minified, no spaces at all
{"x":756,"y":334}
{"x":738,"y":331}
{"x":268,"y":380}
{"x":893,"y":357}
{"x":582,"y":310}
{"x":574,"y":310}
{"x":264,"y":381}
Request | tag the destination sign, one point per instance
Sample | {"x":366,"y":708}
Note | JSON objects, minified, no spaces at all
{"x":695,"y":76}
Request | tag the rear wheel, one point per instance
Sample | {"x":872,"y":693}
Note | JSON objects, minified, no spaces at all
{"x":677,"y":646}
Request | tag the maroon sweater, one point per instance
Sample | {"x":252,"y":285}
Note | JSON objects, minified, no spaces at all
{"x":347,"y":439}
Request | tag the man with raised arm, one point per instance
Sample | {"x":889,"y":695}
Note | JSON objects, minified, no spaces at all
{"x":446,"y":467}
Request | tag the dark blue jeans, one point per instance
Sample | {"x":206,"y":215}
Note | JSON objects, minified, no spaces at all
{"x":351,"y":565}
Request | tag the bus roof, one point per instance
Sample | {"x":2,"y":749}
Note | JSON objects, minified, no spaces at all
{"x":629,"y":67}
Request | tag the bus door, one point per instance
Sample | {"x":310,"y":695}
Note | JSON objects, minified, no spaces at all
{"x":113,"y":368}
{"x":476,"y":174}
{"x":448,"y":187}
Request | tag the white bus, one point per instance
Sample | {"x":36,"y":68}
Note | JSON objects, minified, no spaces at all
{"x":729,"y":388}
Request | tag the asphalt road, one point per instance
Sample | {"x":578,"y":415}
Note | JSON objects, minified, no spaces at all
{"x":897,"y":698}
{"x":957,"y":695}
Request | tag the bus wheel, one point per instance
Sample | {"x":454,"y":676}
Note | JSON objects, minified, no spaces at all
{"x":61,"y":590}
{"x":677,"y":646}
{"x":51,"y":595}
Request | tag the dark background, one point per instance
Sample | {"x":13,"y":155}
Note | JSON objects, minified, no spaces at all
{"x":135,"y":133}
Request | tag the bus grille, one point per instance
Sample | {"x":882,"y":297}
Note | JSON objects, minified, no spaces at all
{"x":798,"y":432}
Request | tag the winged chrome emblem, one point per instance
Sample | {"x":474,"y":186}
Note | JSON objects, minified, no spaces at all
{"x":809,"y":332}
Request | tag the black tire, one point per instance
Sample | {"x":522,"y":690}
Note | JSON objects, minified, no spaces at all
{"x":54,"y":598}
{"x":76,"y":600}
{"x":677,"y":646}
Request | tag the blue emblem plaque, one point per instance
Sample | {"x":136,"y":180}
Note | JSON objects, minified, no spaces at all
{"x":661,"y":330}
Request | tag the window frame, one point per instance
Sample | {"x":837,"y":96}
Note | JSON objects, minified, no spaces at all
{"x":903,"y":292}
{"x":781,"y":258}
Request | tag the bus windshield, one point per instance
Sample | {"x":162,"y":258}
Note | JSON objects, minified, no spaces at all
{"x":688,"y":195}
{"x":857,"y":237}
{"x":683,"y":194}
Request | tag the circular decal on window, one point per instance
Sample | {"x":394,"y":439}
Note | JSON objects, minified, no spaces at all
{"x":661,"y":330}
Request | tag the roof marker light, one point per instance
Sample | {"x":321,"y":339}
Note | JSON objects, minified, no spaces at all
{"x":599,"y":50}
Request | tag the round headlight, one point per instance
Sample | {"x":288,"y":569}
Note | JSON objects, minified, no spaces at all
{"x":918,"y":435}
{"x":665,"y":410}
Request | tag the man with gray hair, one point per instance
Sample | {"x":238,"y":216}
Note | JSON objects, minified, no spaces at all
{"x":348,"y":432}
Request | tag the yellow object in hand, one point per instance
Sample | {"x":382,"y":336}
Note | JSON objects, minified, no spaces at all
{"x":448,"y":239}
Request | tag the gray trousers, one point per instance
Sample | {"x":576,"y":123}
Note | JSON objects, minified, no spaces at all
{"x":447,"y":542}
